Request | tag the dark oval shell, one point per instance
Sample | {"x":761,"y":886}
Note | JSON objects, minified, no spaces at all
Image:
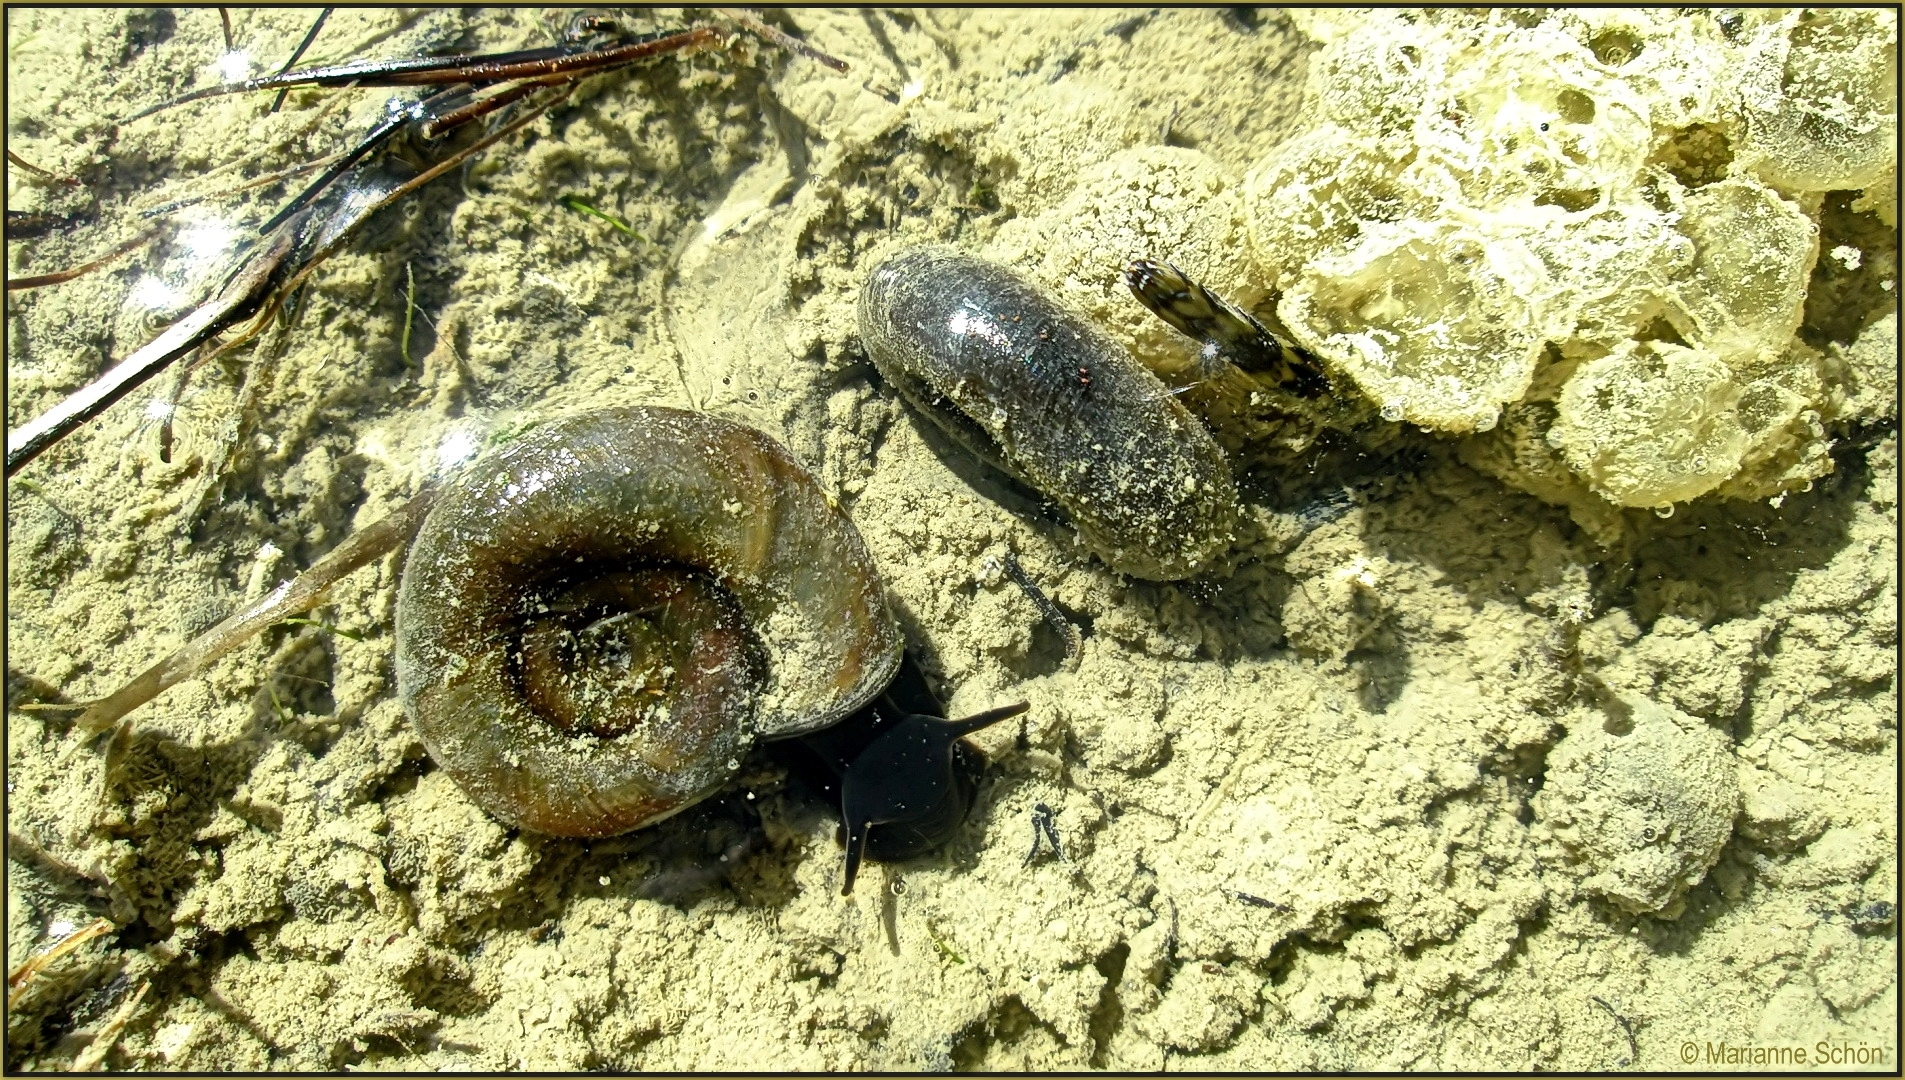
{"x":615,"y":491}
{"x":1046,"y":396}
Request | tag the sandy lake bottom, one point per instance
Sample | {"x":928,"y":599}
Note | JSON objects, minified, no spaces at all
{"x":1422,"y":773}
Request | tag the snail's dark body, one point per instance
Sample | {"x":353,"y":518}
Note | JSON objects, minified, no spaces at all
{"x":896,"y":764}
{"x":597,"y":620}
{"x":1044,"y":395}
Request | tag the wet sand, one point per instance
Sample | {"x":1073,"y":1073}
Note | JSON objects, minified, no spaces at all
{"x":1423,"y":775}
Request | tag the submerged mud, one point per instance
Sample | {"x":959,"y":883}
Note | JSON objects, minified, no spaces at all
{"x":1424,"y":772}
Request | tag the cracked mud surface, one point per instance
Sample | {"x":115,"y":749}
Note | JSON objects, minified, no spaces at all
{"x":1423,"y":776}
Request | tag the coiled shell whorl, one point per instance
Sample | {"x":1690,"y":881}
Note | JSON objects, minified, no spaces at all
{"x":597,"y":619}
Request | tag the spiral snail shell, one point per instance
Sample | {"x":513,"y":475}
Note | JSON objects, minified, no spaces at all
{"x":1050,"y":399}
{"x":598,"y":619}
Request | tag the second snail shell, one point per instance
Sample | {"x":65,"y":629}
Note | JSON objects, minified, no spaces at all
{"x":1041,"y":393}
{"x":597,"y":619}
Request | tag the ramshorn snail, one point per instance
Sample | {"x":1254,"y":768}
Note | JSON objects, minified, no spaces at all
{"x":1047,"y":397}
{"x":598,"y":619}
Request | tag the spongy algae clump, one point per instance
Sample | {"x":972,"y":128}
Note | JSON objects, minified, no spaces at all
{"x":1438,"y":322}
{"x":1742,"y":296}
{"x":1651,"y":424}
{"x":1612,"y":214}
{"x":1819,"y":99}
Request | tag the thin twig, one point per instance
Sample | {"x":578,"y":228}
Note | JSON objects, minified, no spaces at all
{"x":309,"y":36}
{"x":22,"y":977}
{"x":1627,"y":1029}
{"x":27,"y":850}
{"x":409,"y":309}
{"x":294,"y":597}
{"x":446,"y":331}
{"x":30,"y":486}
{"x":260,"y":153}
{"x":95,"y":1053}
{"x":40,"y":280}
{"x":283,"y":174}
{"x":171,"y":410}
{"x":1246,"y":756}
{"x":254,"y":278}
{"x":69,"y":181}
{"x":30,"y":439}
{"x":251,"y":389}
{"x":785,"y":40}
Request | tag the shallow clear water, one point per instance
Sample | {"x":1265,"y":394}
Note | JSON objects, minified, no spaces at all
{"x":1432,"y":770}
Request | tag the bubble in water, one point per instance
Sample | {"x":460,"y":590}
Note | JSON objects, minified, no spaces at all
{"x":733,"y":764}
{"x":1663,"y":511}
{"x":1392,"y":411}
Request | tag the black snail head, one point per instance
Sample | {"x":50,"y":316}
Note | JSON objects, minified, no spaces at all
{"x":904,"y":776}
{"x":908,"y":783}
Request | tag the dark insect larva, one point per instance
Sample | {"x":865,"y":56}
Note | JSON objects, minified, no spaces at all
{"x":1042,"y":394}
{"x":1226,"y":332}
